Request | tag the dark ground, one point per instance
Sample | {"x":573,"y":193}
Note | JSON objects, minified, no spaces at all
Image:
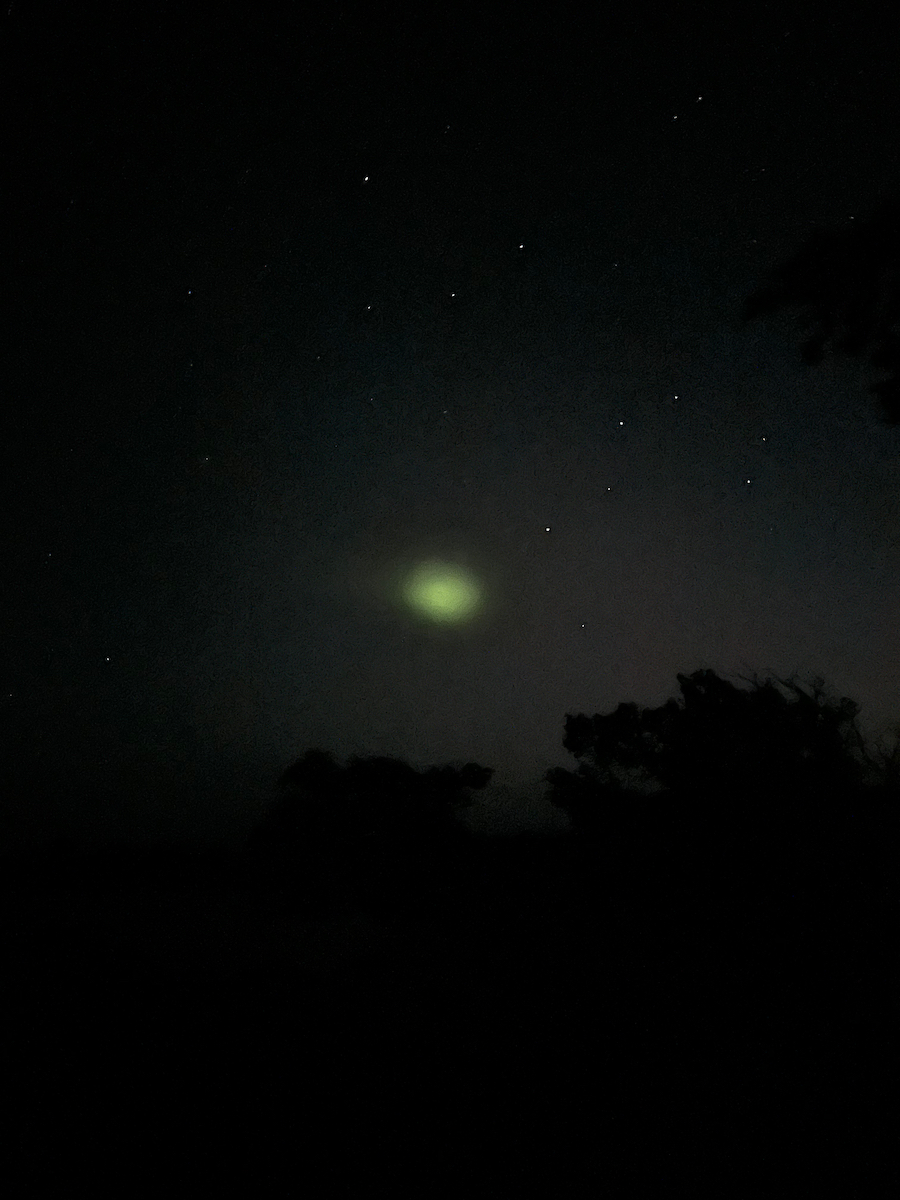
{"x":542,"y":1025}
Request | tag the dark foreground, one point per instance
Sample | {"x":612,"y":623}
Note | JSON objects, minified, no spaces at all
{"x":543,"y":1026}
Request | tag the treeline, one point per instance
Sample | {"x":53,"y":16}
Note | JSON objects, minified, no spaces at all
{"x":759,"y":791}
{"x":723,"y":784}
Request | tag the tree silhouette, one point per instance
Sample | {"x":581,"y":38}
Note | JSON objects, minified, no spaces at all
{"x":720,"y":747}
{"x":315,"y":770}
{"x":847,"y":283}
{"x":375,"y":831}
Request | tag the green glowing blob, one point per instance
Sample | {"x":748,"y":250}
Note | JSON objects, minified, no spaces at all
{"x":442,"y":592}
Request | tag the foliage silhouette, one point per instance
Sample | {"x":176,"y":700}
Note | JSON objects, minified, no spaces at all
{"x":847,"y":282}
{"x":374,"y":832}
{"x":744,"y":764}
{"x":757,"y":817}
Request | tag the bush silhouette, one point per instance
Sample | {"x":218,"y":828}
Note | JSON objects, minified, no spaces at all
{"x":719,"y":741}
{"x":375,"y":832}
{"x":724,"y":773}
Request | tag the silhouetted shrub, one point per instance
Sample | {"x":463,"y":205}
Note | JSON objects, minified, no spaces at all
{"x":375,"y":833}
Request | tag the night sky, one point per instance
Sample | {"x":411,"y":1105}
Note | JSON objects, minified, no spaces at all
{"x":301,"y":306}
